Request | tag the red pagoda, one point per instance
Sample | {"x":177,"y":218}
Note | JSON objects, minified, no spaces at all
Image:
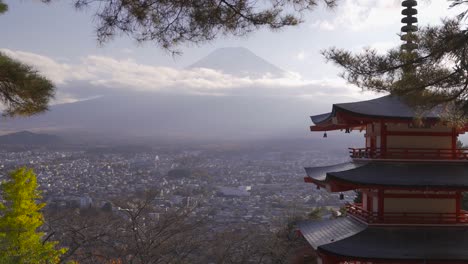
{"x":411,"y":176}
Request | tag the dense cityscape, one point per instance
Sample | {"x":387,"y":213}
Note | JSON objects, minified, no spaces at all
{"x":229,"y":187}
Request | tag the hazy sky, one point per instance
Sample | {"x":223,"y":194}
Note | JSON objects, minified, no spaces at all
{"x":61,"y":43}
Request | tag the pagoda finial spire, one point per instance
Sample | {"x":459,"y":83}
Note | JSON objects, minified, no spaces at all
{"x":409,"y":28}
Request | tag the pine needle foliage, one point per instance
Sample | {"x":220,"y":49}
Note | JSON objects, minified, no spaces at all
{"x":3,"y":7}
{"x":23,"y":91}
{"x":169,"y":23}
{"x":20,"y":219}
{"x":438,"y":68}
{"x":436,"y":73}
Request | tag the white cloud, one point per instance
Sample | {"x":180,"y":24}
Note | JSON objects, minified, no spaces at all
{"x":127,"y":74}
{"x":361,"y":15}
{"x":302,"y":55}
{"x":380,"y":47}
{"x":383,"y":47}
{"x":323,"y":25}
{"x":358,"y":15}
{"x":64,"y":97}
{"x":59,"y":73}
{"x":432,"y":11}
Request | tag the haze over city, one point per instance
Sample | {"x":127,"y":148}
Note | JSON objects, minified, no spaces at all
{"x":140,"y":90}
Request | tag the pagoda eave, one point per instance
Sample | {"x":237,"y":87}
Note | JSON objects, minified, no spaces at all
{"x":350,"y":116}
{"x":329,"y":127}
{"x":337,"y":185}
{"x":402,"y":245}
{"x":387,"y":109}
{"x":346,"y":239}
{"x":375,"y":175}
{"x":333,"y":186}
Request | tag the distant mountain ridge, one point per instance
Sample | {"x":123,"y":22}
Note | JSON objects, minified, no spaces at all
{"x":174,"y":116}
{"x":250,"y":113}
{"x":24,"y":138}
{"x":238,"y":61}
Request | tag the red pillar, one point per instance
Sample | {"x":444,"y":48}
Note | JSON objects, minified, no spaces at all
{"x":458,"y":206}
{"x":381,"y":205}
{"x":383,"y":139}
{"x":326,"y":259}
{"x":454,"y":143}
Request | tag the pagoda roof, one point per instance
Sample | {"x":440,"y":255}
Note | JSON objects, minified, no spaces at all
{"x":354,"y":114}
{"x":343,"y":177}
{"x":403,"y":243}
{"x":319,"y":233}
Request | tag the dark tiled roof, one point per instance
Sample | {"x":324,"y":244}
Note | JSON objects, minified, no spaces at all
{"x":406,"y":174}
{"x":320,"y":173}
{"x":317,"y":119}
{"x":318,"y":233}
{"x":383,"y":107}
{"x":404,"y":243}
{"x":418,"y":175}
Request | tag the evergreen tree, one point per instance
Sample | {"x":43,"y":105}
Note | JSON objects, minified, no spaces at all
{"x":20,"y":219}
{"x":3,"y":7}
{"x":434,"y":73}
{"x":23,"y":91}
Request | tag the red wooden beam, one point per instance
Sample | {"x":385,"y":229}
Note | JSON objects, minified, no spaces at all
{"x":308,"y":179}
{"x":458,"y":205}
{"x":454,"y":142}
{"x":409,"y":153}
{"x":419,"y":133}
{"x":327,"y":127}
{"x":420,"y":195}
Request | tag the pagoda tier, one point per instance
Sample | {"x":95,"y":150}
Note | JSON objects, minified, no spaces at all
{"x":399,"y":193}
{"x":344,"y":240}
{"x":395,"y":131}
{"x":388,"y":108}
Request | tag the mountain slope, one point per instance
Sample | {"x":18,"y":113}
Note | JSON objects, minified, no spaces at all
{"x":26,"y":138}
{"x":176,"y":117}
{"x":238,"y":61}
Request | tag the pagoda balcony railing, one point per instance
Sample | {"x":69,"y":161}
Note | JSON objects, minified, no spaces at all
{"x":409,"y":153}
{"x":358,"y":212}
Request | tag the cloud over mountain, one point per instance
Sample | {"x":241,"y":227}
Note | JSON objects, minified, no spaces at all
{"x":98,"y":75}
{"x":197,"y":102}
